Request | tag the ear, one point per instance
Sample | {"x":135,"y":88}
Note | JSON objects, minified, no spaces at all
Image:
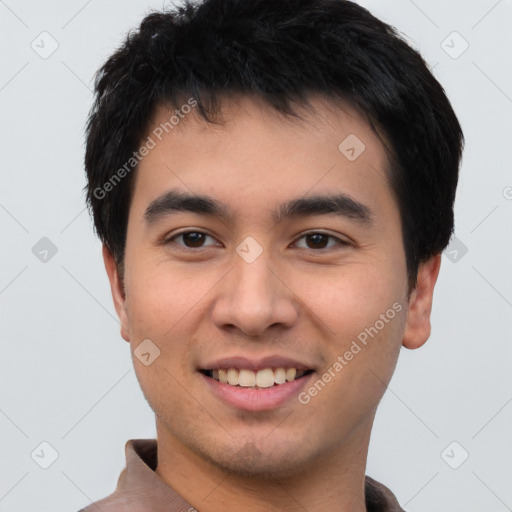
{"x":417,"y":328}
{"x":117,"y":291}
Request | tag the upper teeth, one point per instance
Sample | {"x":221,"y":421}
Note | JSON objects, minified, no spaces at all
{"x":263,"y":378}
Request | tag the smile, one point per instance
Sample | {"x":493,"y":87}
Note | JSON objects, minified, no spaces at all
{"x":256,"y":391}
{"x":264,"y":378}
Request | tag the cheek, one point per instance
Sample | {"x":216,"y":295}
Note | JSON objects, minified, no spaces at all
{"x":161,"y":297}
{"x":363,"y":353}
{"x":165,"y":305}
{"x":161,"y":304}
{"x":348,"y":299}
{"x":362,"y":314}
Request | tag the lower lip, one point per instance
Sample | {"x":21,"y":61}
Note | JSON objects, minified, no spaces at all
{"x":261,"y":399}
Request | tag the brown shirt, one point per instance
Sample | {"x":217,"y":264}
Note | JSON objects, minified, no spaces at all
{"x":140,"y":489}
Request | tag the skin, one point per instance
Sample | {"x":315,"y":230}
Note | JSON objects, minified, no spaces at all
{"x":205,"y":302}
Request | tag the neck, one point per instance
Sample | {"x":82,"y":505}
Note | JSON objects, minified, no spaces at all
{"x":334,"y":481}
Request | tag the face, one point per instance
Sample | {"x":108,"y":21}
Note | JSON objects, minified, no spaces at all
{"x":301,"y":267}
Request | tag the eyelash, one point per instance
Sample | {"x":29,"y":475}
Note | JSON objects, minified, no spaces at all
{"x":340,"y":241}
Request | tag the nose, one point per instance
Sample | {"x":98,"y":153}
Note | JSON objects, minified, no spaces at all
{"x":254,"y":297}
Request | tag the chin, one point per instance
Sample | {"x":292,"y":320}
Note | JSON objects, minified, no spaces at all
{"x":264,"y":460}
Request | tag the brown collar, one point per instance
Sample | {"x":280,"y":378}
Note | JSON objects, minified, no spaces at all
{"x":139,"y":488}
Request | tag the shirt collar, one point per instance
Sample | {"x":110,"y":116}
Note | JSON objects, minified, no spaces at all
{"x":140,"y":488}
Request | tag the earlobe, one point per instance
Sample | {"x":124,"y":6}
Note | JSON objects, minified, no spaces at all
{"x":118,"y":294}
{"x":417,"y":328}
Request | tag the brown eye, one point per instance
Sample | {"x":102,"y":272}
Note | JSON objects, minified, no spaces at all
{"x":191,"y":239}
{"x":317,"y":240}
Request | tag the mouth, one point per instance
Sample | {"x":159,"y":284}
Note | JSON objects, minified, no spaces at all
{"x":261,"y":379}
{"x":266,"y":383}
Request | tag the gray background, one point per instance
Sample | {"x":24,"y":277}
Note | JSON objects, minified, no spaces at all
{"x":66,"y":374}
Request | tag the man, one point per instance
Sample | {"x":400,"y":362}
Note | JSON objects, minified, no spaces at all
{"x":273,"y":184}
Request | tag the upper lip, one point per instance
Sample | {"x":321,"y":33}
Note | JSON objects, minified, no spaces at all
{"x":255,"y":364}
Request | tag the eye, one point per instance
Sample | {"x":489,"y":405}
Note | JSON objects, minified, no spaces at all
{"x":318,"y":240}
{"x":191,"y":239}
{"x":314,"y":240}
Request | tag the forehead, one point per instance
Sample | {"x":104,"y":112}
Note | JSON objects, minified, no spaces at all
{"x":256,"y":157}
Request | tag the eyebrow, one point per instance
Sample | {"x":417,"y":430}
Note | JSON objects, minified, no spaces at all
{"x":338,"y":204}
